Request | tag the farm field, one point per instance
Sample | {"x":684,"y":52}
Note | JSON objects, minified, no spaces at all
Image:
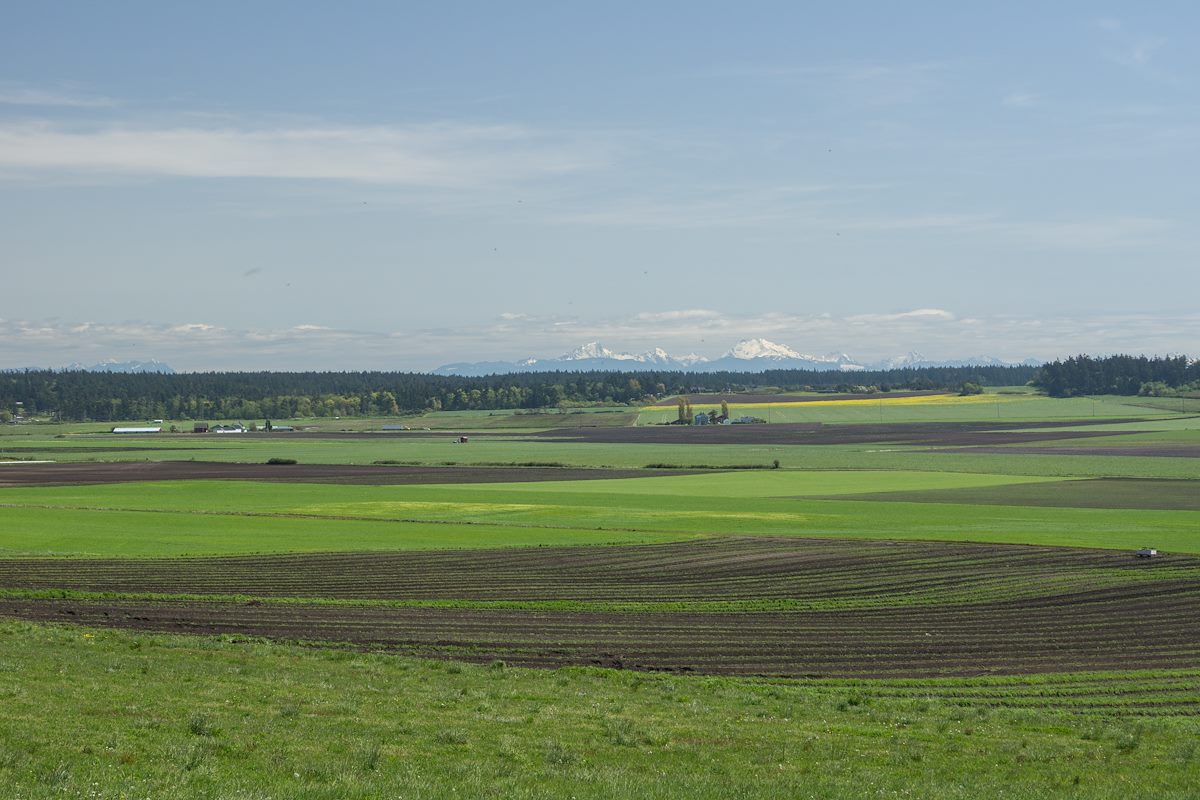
{"x":936,"y":606}
{"x":885,"y":407}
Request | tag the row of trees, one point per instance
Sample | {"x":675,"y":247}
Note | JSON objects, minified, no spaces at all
{"x":109,"y":396}
{"x":1121,"y":374}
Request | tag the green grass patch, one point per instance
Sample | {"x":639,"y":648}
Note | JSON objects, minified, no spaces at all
{"x":108,"y":713}
{"x":243,"y":516}
{"x":1131,"y":493}
{"x":108,"y":532}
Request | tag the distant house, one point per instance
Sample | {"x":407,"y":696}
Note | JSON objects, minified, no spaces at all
{"x":137,"y":430}
{"x":200,"y":427}
{"x":700,"y":419}
{"x":1147,"y":552}
{"x":395,"y":427}
{"x":236,"y":427}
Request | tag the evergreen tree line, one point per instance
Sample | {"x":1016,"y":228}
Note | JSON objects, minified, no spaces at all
{"x":111,"y":396}
{"x":1122,"y":374}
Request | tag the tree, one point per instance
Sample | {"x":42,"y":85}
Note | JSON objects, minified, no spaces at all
{"x":725,"y":409}
{"x":969,"y":388}
{"x":683,"y":408}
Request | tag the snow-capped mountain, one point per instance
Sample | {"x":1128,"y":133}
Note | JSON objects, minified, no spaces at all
{"x":762,"y":348}
{"x":748,"y":355}
{"x":595,"y":351}
{"x":110,"y":365}
{"x":590,"y":356}
{"x":758,"y":354}
{"x":915,"y":360}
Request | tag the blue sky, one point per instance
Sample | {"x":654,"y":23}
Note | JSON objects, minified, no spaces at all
{"x":281,"y":185}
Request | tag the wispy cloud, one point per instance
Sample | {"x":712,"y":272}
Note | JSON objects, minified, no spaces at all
{"x":916,"y":315}
{"x":1020,"y":100}
{"x":938,"y":333}
{"x":856,"y":83}
{"x":16,"y":95}
{"x":444,"y":155}
{"x":676,"y":316}
{"x":718,"y":206}
{"x":1137,"y":51}
{"x":1100,"y":233}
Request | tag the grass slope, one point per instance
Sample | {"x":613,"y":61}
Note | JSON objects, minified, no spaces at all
{"x":108,"y":714}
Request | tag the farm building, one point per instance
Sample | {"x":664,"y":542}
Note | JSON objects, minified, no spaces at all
{"x":200,"y":427}
{"x":137,"y":430}
{"x":700,"y":419}
{"x":1147,"y":552}
{"x":234,"y":428}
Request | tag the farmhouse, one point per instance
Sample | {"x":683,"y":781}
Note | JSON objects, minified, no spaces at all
{"x":200,"y":427}
{"x":137,"y":430}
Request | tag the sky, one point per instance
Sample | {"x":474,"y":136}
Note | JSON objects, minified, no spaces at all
{"x":397,"y":186}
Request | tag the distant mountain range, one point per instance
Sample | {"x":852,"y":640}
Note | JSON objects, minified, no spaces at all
{"x":748,"y":355}
{"x":123,"y":366}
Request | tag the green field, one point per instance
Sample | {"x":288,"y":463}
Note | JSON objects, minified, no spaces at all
{"x":153,"y":716}
{"x":945,"y":408}
{"x":969,"y":544}
{"x":212,"y":517}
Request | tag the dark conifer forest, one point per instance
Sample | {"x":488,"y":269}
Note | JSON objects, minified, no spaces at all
{"x":1120,"y":374}
{"x":109,"y":396}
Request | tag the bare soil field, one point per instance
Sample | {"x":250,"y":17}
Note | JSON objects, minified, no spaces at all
{"x":1143,"y":627}
{"x":931,"y":434}
{"x":21,"y":474}
{"x":725,"y":568}
{"x":1147,"y":493}
{"x":909,"y":609}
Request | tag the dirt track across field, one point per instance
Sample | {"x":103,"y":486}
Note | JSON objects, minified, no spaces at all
{"x":21,"y":474}
{"x":873,"y":608}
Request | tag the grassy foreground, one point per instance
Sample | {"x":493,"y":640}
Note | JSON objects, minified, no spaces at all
{"x":110,"y":714}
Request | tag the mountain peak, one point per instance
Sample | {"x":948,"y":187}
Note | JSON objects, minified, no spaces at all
{"x":589,"y":350}
{"x":762,"y":348}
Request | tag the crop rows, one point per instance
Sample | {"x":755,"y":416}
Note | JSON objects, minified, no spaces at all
{"x":873,"y":608}
{"x":1157,"y":628}
{"x":832,"y":572}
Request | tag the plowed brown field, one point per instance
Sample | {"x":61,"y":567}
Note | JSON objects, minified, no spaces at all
{"x":734,"y":605}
